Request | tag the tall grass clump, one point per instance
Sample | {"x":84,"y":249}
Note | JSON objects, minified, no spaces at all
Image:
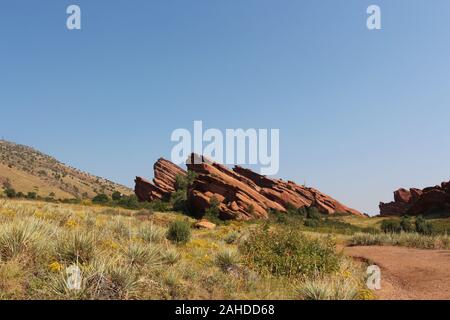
{"x":289,"y":253}
{"x":75,"y":247}
{"x":23,"y":236}
{"x":328,"y":288}
{"x":101,"y":280}
{"x":171,"y":256}
{"x":413,"y":240}
{"x":152,"y":233}
{"x":227,"y":259}
{"x":138,"y":254}
{"x":179,"y":231}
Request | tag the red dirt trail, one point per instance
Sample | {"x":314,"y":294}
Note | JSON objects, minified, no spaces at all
{"x":408,"y":273}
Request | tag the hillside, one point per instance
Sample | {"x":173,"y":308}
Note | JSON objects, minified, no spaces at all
{"x":28,"y":170}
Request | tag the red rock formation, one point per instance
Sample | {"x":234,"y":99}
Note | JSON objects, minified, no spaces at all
{"x":244,"y":194}
{"x":417,"y":202}
{"x":238,"y":198}
{"x":241,"y":193}
{"x":290,"y":193}
{"x":163,"y":185}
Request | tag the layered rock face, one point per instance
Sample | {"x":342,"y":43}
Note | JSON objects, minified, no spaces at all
{"x":291,"y":194}
{"x":241,"y":193}
{"x":416,"y":201}
{"x":239,"y":198}
{"x":164,"y":182}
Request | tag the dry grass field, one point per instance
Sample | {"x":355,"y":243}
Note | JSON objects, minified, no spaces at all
{"x":125,"y":254}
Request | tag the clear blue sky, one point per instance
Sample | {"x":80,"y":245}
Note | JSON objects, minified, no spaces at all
{"x":360,"y":112}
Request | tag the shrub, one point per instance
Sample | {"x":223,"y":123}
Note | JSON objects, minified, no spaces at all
{"x":31,"y":195}
{"x":178,"y":200}
{"x":116,"y":195}
{"x":179,"y":231}
{"x":423,"y":226}
{"x":289,"y":253}
{"x":160,"y":206}
{"x":183,"y":182}
{"x":391,"y":226}
{"x":10,"y":193}
{"x":312,"y":223}
{"x":313,"y":213}
{"x":130,"y":202}
{"x":407,"y":224}
{"x":280,"y":217}
{"x":227,"y":259}
{"x":212,"y":213}
{"x":101,"y":199}
{"x":179,"y":197}
{"x":231,"y":237}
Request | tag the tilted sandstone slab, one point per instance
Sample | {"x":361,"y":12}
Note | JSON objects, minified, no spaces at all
{"x":238,"y":198}
{"x":291,"y":194}
{"x":164,"y":181}
{"x":243,"y":194}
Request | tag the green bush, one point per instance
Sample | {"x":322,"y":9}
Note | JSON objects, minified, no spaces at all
{"x":313,"y":213}
{"x":179,"y":200}
{"x":232,"y":237}
{"x":212,"y":213}
{"x":289,"y":253}
{"x":391,"y":226}
{"x":101,"y":198}
{"x":10,"y":193}
{"x":183,"y":182}
{"x":312,"y":223}
{"x":160,"y":206}
{"x":31,"y":195}
{"x":179,"y":231}
{"x":407,"y":224}
{"x":116,"y":195}
{"x":130,"y":202}
{"x":423,"y":226}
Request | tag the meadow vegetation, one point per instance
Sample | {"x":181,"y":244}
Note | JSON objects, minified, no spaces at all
{"x":129,"y":254}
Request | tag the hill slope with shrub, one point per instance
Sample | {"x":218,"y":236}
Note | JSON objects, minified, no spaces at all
{"x":27,"y":170}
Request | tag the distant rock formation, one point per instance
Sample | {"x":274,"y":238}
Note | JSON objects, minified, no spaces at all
{"x":241,"y":193}
{"x":164,"y":182}
{"x":416,"y":201}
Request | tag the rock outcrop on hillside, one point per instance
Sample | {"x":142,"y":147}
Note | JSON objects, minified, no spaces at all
{"x":239,"y":198}
{"x":241,"y":193}
{"x":416,"y":201}
{"x":164,"y":181}
{"x":291,"y":194}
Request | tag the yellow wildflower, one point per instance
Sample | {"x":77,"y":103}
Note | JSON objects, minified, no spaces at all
{"x":366,"y":294}
{"x":71,"y":223}
{"x":55,"y":266}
